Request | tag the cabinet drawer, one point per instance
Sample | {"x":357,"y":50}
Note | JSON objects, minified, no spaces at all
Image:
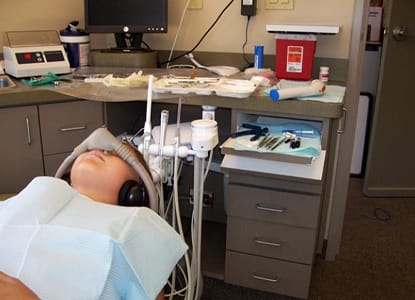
{"x":53,"y":161}
{"x":271,"y":240}
{"x":273,"y":206}
{"x":21,"y":149}
{"x":267,"y":274}
{"x":65,"y":125}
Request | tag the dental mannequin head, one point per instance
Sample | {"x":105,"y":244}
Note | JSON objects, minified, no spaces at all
{"x":100,"y":174}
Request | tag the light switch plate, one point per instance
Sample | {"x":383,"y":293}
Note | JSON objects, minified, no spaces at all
{"x":279,"y":4}
{"x":195,"y":4}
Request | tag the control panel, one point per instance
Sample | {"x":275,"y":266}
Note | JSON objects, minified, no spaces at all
{"x":35,"y":61}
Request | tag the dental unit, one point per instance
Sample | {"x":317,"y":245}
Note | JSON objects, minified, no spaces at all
{"x":163,"y":147}
{"x":203,"y":138}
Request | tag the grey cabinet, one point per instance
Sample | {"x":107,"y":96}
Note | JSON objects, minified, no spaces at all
{"x":65,"y":125}
{"x":36,"y":139}
{"x":20,"y":151}
{"x":272,"y":233}
{"x":273,"y":221}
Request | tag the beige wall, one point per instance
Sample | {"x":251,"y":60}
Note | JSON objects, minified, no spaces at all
{"x":227,"y":36}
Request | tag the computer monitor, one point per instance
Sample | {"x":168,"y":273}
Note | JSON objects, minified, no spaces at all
{"x":127,"y":19}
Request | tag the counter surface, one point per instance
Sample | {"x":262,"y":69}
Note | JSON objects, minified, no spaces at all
{"x":25,"y":95}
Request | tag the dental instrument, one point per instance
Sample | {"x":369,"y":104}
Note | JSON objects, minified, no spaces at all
{"x":256,"y":131}
{"x":147,"y":124}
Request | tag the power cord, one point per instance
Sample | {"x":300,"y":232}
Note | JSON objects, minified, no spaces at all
{"x":201,"y":39}
{"x":177,"y":34}
{"x":248,"y":63}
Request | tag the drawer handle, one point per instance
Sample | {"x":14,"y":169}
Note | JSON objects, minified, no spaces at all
{"x":277,"y":210}
{"x":72,"y":128}
{"x":267,"y":243}
{"x":273,"y":280}
{"x":29,"y":134}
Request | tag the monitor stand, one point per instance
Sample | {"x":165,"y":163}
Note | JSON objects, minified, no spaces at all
{"x":125,"y":54}
{"x":128,"y":40}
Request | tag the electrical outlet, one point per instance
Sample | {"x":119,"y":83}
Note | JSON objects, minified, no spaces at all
{"x":195,"y":4}
{"x":207,"y":198}
{"x":279,"y":4}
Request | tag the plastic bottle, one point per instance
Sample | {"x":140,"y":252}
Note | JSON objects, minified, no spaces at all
{"x":324,"y":74}
{"x":258,"y":56}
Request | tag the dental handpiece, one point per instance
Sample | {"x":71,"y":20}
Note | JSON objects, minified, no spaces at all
{"x":164,"y":120}
{"x":147,"y":124}
{"x":179,"y":112}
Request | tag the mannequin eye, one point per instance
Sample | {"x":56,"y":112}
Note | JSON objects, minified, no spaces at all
{"x":106,"y":152}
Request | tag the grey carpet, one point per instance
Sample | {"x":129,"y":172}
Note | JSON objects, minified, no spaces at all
{"x":376,"y":258}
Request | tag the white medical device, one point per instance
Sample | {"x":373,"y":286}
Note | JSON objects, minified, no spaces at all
{"x":218,"y":70}
{"x":34,"y":53}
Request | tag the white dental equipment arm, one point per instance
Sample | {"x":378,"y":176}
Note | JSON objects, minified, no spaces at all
{"x":147,"y":124}
{"x":204,"y":137}
{"x":317,"y":87}
{"x":164,"y":120}
{"x":102,"y":139}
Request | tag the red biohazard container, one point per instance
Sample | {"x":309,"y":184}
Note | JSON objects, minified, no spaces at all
{"x":294,"y":56}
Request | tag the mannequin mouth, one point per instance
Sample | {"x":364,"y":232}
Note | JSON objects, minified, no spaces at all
{"x":97,"y":154}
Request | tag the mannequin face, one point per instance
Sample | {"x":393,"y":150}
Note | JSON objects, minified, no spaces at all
{"x":99,"y":175}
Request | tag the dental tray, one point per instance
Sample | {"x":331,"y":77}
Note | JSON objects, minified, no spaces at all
{"x":228,"y":147}
{"x":244,"y":142}
{"x":236,"y":88}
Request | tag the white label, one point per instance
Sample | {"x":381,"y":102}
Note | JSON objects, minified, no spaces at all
{"x":83,"y":54}
{"x":295,"y":55}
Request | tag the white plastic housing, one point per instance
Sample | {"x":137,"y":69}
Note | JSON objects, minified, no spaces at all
{"x":204,"y":134}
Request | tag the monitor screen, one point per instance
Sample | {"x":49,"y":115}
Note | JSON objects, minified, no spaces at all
{"x":126,"y":18}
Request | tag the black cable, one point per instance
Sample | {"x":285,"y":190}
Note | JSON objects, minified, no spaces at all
{"x":248,"y":63}
{"x":202,"y":38}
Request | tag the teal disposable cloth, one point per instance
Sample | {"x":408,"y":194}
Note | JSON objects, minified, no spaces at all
{"x":63,"y":245}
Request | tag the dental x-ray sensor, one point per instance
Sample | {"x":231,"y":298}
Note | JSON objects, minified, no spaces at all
{"x":218,"y":70}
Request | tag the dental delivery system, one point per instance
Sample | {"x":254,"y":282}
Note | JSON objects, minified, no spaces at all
{"x":204,"y":137}
{"x":159,"y":155}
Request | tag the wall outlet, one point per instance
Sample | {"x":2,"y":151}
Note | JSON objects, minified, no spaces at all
{"x":195,"y":4}
{"x":279,"y":4}
{"x":207,"y":198}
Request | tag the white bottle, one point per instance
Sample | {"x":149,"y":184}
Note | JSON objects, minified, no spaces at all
{"x":324,"y":74}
